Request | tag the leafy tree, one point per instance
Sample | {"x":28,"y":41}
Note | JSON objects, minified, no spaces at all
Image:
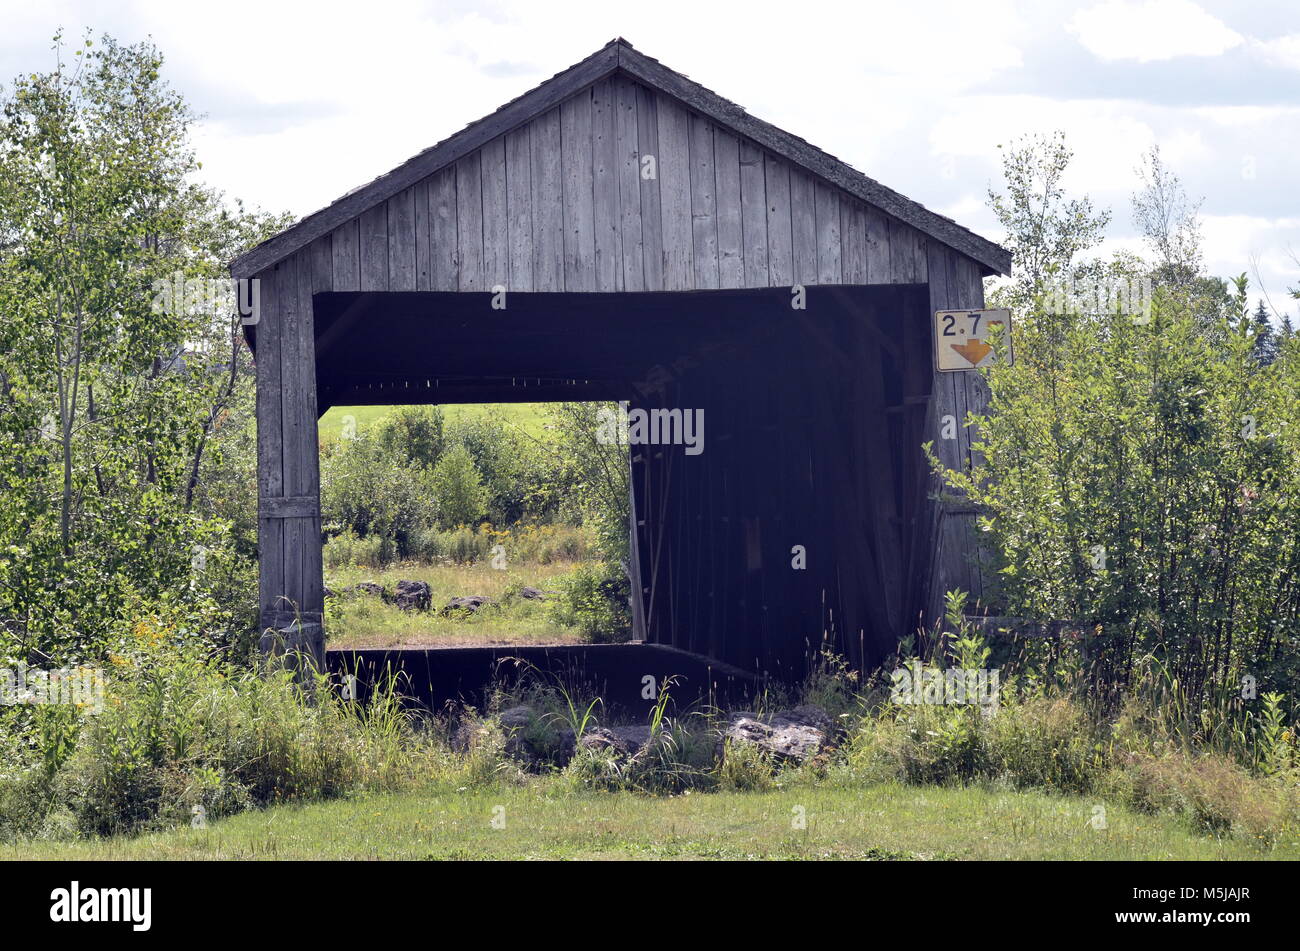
{"x":1045,"y":231}
{"x":367,"y":490}
{"x":1167,"y":220}
{"x":414,"y":434}
{"x":1267,"y":346}
{"x":110,"y":390}
{"x":458,"y":488}
{"x":1145,"y":478}
{"x":598,"y":492}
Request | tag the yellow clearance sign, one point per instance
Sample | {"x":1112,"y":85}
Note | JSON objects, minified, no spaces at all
{"x":961,"y":338}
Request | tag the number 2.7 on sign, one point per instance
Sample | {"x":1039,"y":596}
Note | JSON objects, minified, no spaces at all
{"x":962,"y":337}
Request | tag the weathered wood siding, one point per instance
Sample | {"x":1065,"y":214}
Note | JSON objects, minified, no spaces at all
{"x":288,"y":458}
{"x":620,"y":188}
{"x":623,"y":188}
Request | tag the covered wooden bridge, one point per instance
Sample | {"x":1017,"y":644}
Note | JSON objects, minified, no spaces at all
{"x":622,"y":233}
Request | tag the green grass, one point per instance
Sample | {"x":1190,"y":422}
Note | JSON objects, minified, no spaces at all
{"x":366,"y":621}
{"x":548,"y":819}
{"x":530,"y":418}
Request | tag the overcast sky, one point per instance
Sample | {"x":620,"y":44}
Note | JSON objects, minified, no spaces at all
{"x":305,"y":101}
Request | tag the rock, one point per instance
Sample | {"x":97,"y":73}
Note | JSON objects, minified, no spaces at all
{"x":810,"y":716}
{"x":532,"y":594}
{"x":625,"y":741}
{"x":516,"y":717}
{"x":785,"y":741}
{"x":602,"y":738}
{"x":470,"y":604}
{"x":371,"y":587}
{"x":413,"y":596}
{"x":534,"y":747}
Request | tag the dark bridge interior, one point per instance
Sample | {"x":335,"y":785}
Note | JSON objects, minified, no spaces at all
{"x":798,"y":521}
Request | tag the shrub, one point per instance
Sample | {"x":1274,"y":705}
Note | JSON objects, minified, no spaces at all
{"x":347,"y":549}
{"x":413,"y":435}
{"x":595,"y":601}
{"x":463,"y":545}
{"x":368,"y":492}
{"x":458,"y":488}
{"x":1042,"y":741}
{"x":544,"y":544}
{"x":1214,"y":794}
{"x":179,"y":732}
{"x":744,"y":768}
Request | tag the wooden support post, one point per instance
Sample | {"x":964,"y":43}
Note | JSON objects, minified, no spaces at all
{"x":955,"y":283}
{"x":291,"y":588}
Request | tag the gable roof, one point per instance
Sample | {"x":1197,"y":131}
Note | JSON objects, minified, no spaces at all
{"x":619,"y":56}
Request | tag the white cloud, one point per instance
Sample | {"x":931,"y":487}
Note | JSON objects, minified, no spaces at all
{"x":1283,"y":51}
{"x":316,"y":98}
{"x":1239,"y":243}
{"x":1150,"y":30}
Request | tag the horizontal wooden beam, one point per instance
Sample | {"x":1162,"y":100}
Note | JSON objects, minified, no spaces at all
{"x":291,"y":506}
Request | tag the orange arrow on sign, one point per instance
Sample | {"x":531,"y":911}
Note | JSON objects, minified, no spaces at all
{"x":973,"y":350}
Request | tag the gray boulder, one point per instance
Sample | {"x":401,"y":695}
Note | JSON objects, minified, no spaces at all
{"x":413,"y":596}
{"x":809,"y":716}
{"x":533,"y":741}
{"x":371,"y":588}
{"x":789,"y":737}
{"x":470,"y":604}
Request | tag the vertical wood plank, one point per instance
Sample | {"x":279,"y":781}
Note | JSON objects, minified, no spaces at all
{"x":292,"y":415}
{"x":605,"y":166}
{"x":878,"y":266}
{"x":652,"y":242}
{"x":902,"y":253}
{"x":731,"y":258}
{"x":951,"y":569}
{"x":401,"y":241}
{"x":829,"y":254}
{"x":347,"y":259}
{"x":270,"y":454}
{"x":704,"y":224}
{"x":675,"y":194}
{"x":803,"y":226}
{"x":496,"y":246}
{"x":373,"y":225}
{"x":519,"y":209}
{"x":780,"y":240}
{"x":579,"y":216}
{"x":853,"y":240}
{"x":423,"y":233}
{"x":444,"y":251}
{"x":317,"y":278}
{"x":548,"y":203}
{"x":753,"y":215}
{"x":628,"y":169}
{"x":469,"y":221}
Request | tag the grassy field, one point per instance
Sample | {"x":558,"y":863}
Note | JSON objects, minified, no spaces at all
{"x":366,"y":621}
{"x":528,"y":417}
{"x":549,"y":820}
